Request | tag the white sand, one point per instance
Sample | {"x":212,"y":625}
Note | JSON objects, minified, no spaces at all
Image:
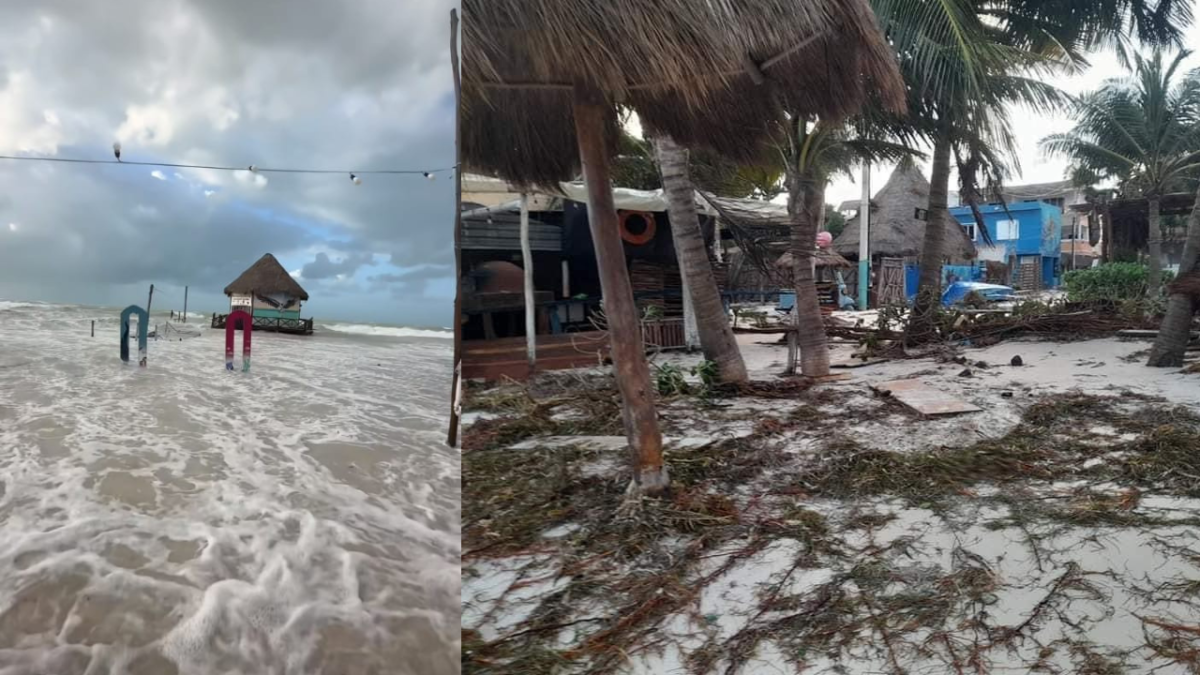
{"x":1095,"y":617}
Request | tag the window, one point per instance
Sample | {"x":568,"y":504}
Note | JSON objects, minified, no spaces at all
{"x":1007,"y":230}
{"x":970,"y":228}
{"x":920,"y":214}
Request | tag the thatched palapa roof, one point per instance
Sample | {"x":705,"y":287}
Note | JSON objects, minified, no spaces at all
{"x":896,"y":231}
{"x":266,"y":277}
{"x":824,"y":257}
{"x":704,"y":73}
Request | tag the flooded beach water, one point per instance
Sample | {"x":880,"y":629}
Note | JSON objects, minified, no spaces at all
{"x":302,"y":517}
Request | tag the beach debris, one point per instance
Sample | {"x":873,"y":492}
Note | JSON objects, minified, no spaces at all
{"x":858,"y":362}
{"x":965,"y":372}
{"x":1006,"y":394}
{"x":925,"y":399}
{"x":1017,"y":361}
{"x":982,"y":365}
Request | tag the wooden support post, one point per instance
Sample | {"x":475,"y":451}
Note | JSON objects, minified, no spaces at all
{"x":185,"y":292}
{"x":149,"y":299}
{"x":93,"y":328}
{"x":456,"y":381}
{"x":624,"y":331}
{"x":530,"y":309}
{"x":566,"y":278}
{"x":793,"y":338}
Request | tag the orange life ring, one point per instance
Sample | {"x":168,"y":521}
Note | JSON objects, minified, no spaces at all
{"x":640,"y":238}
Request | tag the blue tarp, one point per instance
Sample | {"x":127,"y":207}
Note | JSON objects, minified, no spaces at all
{"x":959,"y":290}
{"x":787,"y":300}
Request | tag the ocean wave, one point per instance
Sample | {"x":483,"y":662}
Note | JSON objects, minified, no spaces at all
{"x":386,"y":331}
{"x":12,"y":304}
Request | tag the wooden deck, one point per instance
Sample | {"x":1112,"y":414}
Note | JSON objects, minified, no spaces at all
{"x":272,"y":324}
{"x":505,"y":357}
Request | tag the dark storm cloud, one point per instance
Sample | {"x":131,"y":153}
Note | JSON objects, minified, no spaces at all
{"x":362,"y":85}
{"x":412,"y":280}
{"x":323,"y":267}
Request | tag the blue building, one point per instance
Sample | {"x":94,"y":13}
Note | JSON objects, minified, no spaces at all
{"x":1027,"y":236}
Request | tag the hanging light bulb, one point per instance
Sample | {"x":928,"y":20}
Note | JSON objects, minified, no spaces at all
{"x":117,"y":150}
{"x":429,"y":175}
{"x":355,"y":179}
{"x":252,"y":168}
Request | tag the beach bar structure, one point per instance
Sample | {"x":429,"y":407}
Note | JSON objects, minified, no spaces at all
{"x":271,"y":296}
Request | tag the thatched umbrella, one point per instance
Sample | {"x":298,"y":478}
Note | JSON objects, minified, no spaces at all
{"x":543,"y":80}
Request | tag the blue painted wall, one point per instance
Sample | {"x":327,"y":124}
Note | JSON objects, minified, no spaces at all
{"x":1039,"y":232}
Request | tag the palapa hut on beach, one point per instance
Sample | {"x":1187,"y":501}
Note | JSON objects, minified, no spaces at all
{"x":897,"y":233}
{"x":271,"y":296}
{"x":541,"y":84}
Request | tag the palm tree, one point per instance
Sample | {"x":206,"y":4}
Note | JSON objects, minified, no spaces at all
{"x":716,"y":334}
{"x":965,"y":60}
{"x":1176,"y":327}
{"x":815,"y":151}
{"x":1142,"y":131}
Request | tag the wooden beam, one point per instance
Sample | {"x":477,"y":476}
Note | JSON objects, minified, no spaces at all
{"x":530,"y":307}
{"x":456,"y":380}
{"x":753,"y":70}
{"x":625,"y":335}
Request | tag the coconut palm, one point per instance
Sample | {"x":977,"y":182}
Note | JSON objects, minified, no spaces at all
{"x":814,"y":151}
{"x":678,"y":171}
{"x":1176,"y":328}
{"x":543,"y":78}
{"x":967,"y":60}
{"x":717,"y":340}
{"x":1140,"y":130}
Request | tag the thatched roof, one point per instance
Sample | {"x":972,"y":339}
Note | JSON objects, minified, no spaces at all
{"x":266,"y":277}
{"x":705,"y":73}
{"x":825,"y":258}
{"x":896,"y":232}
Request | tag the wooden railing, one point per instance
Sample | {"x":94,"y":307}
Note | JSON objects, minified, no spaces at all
{"x":276,"y":324}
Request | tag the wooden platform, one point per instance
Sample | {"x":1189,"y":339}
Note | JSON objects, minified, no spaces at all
{"x":925,"y":399}
{"x":505,"y":357}
{"x":272,"y":324}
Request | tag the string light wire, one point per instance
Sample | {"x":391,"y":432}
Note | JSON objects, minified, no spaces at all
{"x":253,"y":168}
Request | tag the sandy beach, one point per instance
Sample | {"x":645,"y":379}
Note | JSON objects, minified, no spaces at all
{"x":832,"y":530}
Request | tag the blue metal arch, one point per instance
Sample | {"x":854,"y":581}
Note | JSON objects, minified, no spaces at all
{"x":143,"y":331}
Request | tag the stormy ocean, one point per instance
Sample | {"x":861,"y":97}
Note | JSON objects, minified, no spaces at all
{"x":299,"y":518}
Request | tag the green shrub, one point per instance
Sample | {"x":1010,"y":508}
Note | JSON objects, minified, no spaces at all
{"x":1115,"y":282}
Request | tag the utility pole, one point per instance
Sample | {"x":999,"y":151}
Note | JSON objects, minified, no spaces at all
{"x":864,"y":237}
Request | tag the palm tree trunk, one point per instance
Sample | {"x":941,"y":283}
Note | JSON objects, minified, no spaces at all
{"x":1154,"y":275}
{"x":630,"y":367}
{"x":929,"y":289}
{"x":806,"y":198}
{"x":717,"y":340}
{"x":1176,"y":327}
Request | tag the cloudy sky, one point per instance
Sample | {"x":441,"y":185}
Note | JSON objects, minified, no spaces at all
{"x":275,"y":83}
{"x":1029,"y":127}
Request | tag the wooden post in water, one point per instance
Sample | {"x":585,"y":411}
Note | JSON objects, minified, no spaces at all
{"x":624,"y":329}
{"x":93,"y":328}
{"x":149,"y":299}
{"x":184,"y":317}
